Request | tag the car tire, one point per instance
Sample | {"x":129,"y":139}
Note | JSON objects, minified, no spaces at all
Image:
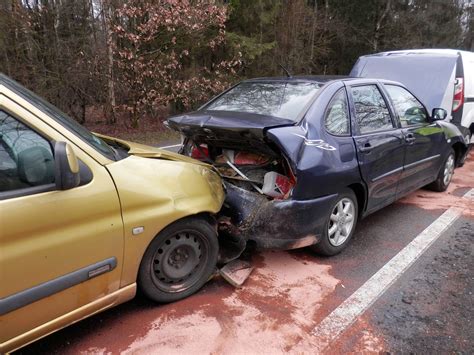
{"x":338,"y":231}
{"x":445,"y":173}
{"x":179,"y":260}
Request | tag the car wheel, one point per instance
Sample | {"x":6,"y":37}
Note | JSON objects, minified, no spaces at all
{"x":340,"y":225}
{"x":445,"y":173}
{"x":179,"y":260}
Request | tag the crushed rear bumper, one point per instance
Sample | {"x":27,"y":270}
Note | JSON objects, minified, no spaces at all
{"x":273,"y":224}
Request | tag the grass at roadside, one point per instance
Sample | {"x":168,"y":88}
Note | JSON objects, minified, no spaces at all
{"x":150,"y":131}
{"x":155,"y":138}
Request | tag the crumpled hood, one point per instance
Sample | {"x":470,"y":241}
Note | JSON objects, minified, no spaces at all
{"x":147,"y":151}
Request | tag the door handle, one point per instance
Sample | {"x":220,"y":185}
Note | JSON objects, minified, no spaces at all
{"x":367,"y":147}
{"x":410,"y":138}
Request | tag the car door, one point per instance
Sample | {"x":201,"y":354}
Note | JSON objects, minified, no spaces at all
{"x":380,"y":144}
{"x":59,"y":250}
{"x":424,"y":140}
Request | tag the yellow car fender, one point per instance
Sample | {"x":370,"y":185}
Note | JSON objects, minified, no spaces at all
{"x":155,"y":193}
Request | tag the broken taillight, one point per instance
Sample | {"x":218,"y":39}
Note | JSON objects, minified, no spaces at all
{"x":241,"y":158}
{"x":201,"y":152}
{"x":246,"y":158}
{"x":276,"y":185}
{"x":458,"y":98}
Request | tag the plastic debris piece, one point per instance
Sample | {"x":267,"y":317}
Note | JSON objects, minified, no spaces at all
{"x":276,"y":185}
{"x":236,"y":272}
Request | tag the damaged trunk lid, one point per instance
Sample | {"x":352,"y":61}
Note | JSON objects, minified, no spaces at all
{"x":235,"y":143}
{"x":232,"y":130}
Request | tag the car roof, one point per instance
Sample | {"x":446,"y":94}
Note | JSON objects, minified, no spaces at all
{"x":322,"y":79}
{"x":425,"y":51}
{"x":300,"y":78}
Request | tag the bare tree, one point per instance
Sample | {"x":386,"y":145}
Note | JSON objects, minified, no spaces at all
{"x":107,"y":16}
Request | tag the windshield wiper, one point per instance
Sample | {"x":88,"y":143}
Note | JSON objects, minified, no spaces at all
{"x":117,"y":155}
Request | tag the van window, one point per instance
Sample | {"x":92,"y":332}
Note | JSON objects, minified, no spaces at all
{"x":409,"y":110}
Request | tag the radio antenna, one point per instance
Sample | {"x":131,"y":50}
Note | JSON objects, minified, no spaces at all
{"x":285,"y":70}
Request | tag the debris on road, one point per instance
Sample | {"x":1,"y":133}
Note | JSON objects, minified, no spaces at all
{"x":236,"y":272}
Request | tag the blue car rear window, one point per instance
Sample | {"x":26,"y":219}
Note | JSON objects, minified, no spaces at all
{"x":278,"y":99}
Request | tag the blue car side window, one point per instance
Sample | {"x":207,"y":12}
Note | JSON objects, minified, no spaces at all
{"x":337,"y":120}
{"x":371,"y":111}
{"x":409,"y":110}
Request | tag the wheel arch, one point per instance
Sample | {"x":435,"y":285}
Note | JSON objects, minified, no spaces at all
{"x":207,"y":216}
{"x":360,"y":191}
{"x":141,"y":280}
{"x":203,"y":215}
{"x":459,"y":150}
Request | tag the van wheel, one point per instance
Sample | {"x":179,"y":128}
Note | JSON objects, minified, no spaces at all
{"x":179,"y":260}
{"x":445,"y":174}
{"x":340,"y":225}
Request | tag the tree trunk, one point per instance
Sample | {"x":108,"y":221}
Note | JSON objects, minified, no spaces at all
{"x":378,"y":25}
{"x":111,"y":103}
{"x":313,"y":31}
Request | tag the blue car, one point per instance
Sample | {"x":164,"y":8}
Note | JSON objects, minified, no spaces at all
{"x":305,"y":158}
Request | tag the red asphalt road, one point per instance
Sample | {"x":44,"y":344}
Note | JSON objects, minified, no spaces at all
{"x":287,"y":294}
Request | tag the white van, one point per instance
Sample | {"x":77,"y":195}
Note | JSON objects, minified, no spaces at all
{"x":438,"y":77}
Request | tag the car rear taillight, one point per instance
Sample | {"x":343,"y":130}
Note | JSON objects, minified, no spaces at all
{"x":200,"y":153}
{"x":276,"y":185}
{"x":246,"y":158}
{"x":458,"y":98}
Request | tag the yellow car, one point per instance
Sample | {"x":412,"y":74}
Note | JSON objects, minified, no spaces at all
{"x":84,"y":219}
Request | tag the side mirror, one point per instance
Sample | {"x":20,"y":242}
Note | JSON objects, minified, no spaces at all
{"x":439,"y":114}
{"x":36,"y":166}
{"x":67,"y":166}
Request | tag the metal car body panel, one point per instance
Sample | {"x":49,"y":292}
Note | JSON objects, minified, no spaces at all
{"x":255,"y":218}
{"x":322,"y":154}
{"x":44,"y":236}
{"x":110,"y":300}
{"x":152,"y":200}
{"x":68,"y":254}
{"x":380,"y":175}
{"x":232,"y":129}
{"x":146,"y":151}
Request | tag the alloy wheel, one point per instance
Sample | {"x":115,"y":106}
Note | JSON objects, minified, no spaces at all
{"x":448,"y":170}
{"x":341,"y":222}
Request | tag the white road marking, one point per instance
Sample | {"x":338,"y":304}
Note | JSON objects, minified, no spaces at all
{"x":347,"y":313}
{"x":170,"y":146}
